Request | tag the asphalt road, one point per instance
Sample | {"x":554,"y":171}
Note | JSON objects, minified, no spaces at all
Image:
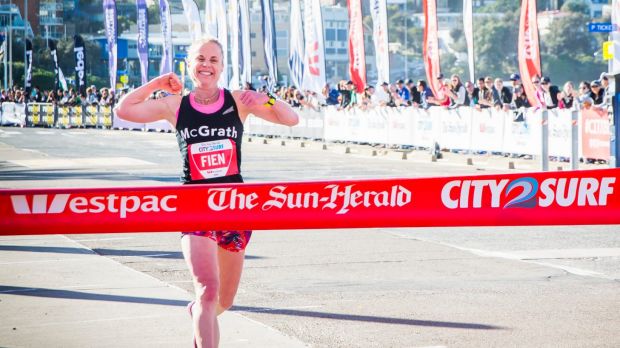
{"x":414,"y":287}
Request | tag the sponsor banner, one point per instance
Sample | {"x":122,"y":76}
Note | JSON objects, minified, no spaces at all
{"x":166,"y":30}
{"x":269,"y":43}
{"x":431,"y":44}
{"x":314,"y":53}
{"x":468,"y":31}
{"x":455,"y":129}
{"x":357,"y":55}
{"x":426,"y":128}
{"x":595,"y":134}
{"x":142,"y":45}
{"x":296,"y":46}
{"x":400,"y":125}
{"x":524,"y":137}
{"x":109,"y":12}
{"x":378,"y":11}
{"x":560,"y":129}
{"x":528,"y":52}
{"x":559,"y":198}
{"x":80,"y":65}
{"x":487,"y":129}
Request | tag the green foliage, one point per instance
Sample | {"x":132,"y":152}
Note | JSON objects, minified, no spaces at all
{"x":495,"y":44}
{"x":576,"y":6}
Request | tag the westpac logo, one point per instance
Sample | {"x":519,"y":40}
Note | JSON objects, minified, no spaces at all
{"x":527,"y":192}
{"x":112,"y":203}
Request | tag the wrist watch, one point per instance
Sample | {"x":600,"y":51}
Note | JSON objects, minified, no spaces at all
{"x":271,"y":101}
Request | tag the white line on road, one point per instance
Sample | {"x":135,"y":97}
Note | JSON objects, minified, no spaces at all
{"x":102,"y":239}
{"x":56,"y":163}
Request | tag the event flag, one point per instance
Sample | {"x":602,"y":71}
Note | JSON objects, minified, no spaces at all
{"x":193,"y":19}
{"x":215,"y":25}
{"x":166,"y":30}
{"x":468,"y":30}
{"x":269,"y":37}
{"x":378,"y":11}
{"x":59,"y":78}
{"x":615,"y":36}
{"x":296,"y":45}
{"x":143,"y":39}
{"x":109,"y":11}
{"x":211,"y":18}
{"x":234,"y":82}
{"x":80,"y":65}
{"x":245,"y":61}
{"x":357,"y":55}
{"x":314,"y":53}
{"x":222,"y":37}
{"x":431,"y":44}
{"x":528,"y":49}
{"x":28,"y":83}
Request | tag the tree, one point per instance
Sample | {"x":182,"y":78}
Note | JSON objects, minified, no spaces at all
{"x":495,"y":44}
{"x":576,"y":6}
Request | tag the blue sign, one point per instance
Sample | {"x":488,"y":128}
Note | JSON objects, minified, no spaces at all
{"x":602,"y":27}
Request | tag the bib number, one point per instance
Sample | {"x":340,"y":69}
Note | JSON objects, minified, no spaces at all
{"x":213,"y":159}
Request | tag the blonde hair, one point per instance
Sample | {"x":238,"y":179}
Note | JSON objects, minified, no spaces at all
{"x":192,"y":52}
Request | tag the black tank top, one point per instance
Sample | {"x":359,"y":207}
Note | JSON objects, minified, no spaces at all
{"x":210,"y":144}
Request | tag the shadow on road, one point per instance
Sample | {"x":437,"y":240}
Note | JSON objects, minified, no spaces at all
{"x":367,"y":318}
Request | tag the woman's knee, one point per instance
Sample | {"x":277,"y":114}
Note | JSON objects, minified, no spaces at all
{"x":207,"y":289}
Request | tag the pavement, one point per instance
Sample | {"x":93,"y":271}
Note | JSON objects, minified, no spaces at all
{"x":54,"y":292}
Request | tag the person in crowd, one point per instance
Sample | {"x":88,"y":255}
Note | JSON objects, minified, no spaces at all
{"x":381,"y":95}
{"x":502,"y":97}
{"x":413,"y":92}
{"x":64,"y":98}
{"x":583,"y":92}
{"x":543,"y":96}
{"x":214,"y":258}
{"x":566,"y":99}
{"x":471,"y":97}
{"x":457,"y":92}
{"x":106,"y":98}
{"x":519,"y":99}
{"x":330,"y":95}
{"x":403,"y":91}
{"x":425,"y":93}
{"x":515,"y":82}
{"x":485,"y":92}
{"x":345,"y":93}
{"x":353,"y":95}
{"x":604,"y":82}
{"x":597,"y":93}
{"x":20,"y":97}
{"x":51,"y":97}
{"x":442,"y":98}
{"x":91,"y":96}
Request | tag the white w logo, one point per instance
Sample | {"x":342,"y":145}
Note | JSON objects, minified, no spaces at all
{"x":39,"y":204}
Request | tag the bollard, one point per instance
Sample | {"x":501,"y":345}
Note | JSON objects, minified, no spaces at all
{"x":544,"y":153}
{"x":574,"y":140}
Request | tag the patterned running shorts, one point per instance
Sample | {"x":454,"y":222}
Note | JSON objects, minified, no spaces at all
{"x":234,"y":241}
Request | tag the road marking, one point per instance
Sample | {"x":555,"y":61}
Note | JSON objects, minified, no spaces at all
{"x":532,"y":256}
{"x":57,"y":163}
{"x":45,"y":132}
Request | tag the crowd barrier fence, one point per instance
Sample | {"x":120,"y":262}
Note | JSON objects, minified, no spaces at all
{"x":464,"y":128}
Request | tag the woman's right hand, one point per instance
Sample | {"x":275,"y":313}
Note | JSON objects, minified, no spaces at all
{"x":170,"y":82}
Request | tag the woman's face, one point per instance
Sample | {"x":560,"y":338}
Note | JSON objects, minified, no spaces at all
{"x":205,"y":64}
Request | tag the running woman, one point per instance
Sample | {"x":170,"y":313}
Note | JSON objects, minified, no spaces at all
{"x":209,"y":128}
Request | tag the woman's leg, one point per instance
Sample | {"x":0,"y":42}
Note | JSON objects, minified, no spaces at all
{"x":231,"y":265}
{"x":201,"y":256}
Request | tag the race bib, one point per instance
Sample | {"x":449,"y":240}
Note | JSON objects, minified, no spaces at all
{"x":213,"y":159}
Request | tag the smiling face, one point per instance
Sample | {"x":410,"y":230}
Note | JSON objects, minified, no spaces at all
{"x":205,"y":63}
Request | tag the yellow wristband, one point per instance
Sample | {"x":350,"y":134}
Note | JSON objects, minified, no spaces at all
{"x":271,"y":101}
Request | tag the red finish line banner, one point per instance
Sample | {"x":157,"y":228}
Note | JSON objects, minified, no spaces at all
{"x":559,"y":198}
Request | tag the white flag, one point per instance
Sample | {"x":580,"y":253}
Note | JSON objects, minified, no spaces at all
{"x":468,"y":30}
{"x":314,"y":55}
{"x":193,"y":19}
{"x":615,"y":36}
{"x":378,"y":11}
{"x":246,"y":51}
{"x":296,"y":46}
{"x":222,"y":37}
{"x":234,"y":44}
